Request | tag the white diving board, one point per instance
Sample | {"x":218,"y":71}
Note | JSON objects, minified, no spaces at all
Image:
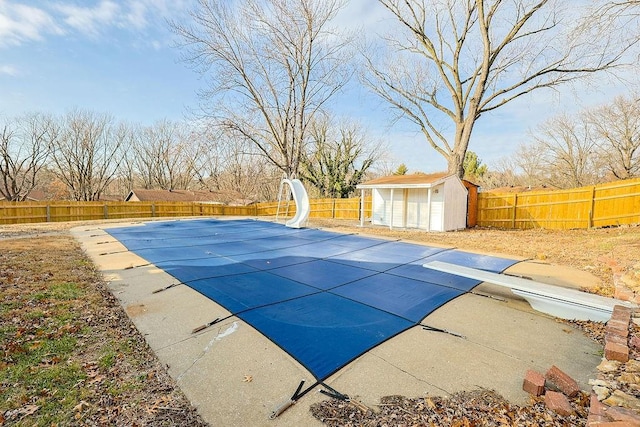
{"x":557,"y":301}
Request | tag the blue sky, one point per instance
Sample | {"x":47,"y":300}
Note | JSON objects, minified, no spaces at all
{"x":117,"y":57}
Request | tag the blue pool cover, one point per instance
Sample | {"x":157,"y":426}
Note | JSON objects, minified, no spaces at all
{"x":323,"y":297}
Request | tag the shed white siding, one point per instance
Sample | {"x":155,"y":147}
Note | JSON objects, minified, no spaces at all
{"x":436,"y":222}
{"x":384,"y":210}
{"x":455,"y":195}
{"x":379,"y":196}
{"x":417,"y":208}
{"x":438,"y":203}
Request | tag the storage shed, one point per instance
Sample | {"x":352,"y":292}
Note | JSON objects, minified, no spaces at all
{"x":432,"y":202}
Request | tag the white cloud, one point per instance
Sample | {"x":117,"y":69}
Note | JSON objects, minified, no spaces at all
{"x":90,"y":20}
{"x":137,"y":15}
{"x":20,"y":23}
{"x":36,"y":20}
{"x":9,"y":70}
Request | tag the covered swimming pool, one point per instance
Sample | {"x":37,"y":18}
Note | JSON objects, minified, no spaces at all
{"x":323,"y":297}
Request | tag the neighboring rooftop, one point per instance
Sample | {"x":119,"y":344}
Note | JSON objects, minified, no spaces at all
{"x":221,"y":197}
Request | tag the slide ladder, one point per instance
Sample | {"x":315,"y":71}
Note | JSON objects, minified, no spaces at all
{"x":301,"y":199}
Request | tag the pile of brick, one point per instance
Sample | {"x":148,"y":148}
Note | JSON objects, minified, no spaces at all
{"x":626,"y":282}
{"x":556,"y":386}
{"x":613,"y":401}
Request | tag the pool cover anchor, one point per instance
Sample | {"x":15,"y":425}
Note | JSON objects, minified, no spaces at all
{"x":331,"y":392}
{"x":166,"y":287}
{"x":444,"y":331}
{"x":213,"y":322}
{"x":291,"y":401}
{"x":206,"y":325}
{"x":494,"y":297}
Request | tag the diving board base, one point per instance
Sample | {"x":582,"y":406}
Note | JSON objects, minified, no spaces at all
{"x":557,"y":301}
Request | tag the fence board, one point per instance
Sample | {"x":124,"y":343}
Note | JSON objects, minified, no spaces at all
{"x":602,"y":205}
{"x":58,"y":211}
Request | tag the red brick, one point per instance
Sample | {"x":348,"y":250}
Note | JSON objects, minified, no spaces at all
{"x":558,"y":403}
{"x":621,"y":312}
{"x":562,"y":381}
{"x":614,"y":424}
{"x":533,"y":383}
{"x":596,"y":407}
{"x":616,"y":329}
{"x":613,"y":351}
{"x":615,"y":339}
{"x":617,"y":324}
{"x":623,"y":414}
{"x":596,"y":420}
{"x":623,"y":293}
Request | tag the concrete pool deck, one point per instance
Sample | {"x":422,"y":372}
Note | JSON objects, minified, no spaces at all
{"x":236,"y":376}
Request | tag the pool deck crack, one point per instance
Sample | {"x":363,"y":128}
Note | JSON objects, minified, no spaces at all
{"x":409,"y":373}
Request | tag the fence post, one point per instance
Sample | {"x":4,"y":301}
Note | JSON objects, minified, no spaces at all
{"x":515,"y":206}
{"x":333,"y":208}
{"x":106,"y":211}
{"x":593,"y":206}
{"x":153,"y":210}
{"x":48,"y":212}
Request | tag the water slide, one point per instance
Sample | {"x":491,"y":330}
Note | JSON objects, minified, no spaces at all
{"x":302,"y":203}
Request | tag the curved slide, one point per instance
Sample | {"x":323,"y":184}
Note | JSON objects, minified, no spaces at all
{"x":302,"y":203}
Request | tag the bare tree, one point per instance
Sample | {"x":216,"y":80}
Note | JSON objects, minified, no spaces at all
{"x":531,"y":160}
{"x":234,"y":165}
{"x":335,"y":164}
{"x":163,"y":156}
{"x":209,"y":158}
{"x":457,"y":60}
{"x":24,"y":149}
{"x":616,"y":129}
{"x":87,"y":153}
{"x":272,"y":66}
{"x":569,"y":151}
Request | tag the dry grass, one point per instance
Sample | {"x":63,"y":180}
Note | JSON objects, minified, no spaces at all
{"x":70,"y":354}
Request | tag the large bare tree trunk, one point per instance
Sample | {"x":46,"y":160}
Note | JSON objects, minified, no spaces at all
{"x":451,"y":61}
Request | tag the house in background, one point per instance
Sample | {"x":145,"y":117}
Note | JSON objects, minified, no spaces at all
{"x":202,"y":196}
{"x":431,"y":202}
{"x":34,"y":195}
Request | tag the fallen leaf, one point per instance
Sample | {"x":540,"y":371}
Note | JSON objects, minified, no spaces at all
{"x":247,"y":379}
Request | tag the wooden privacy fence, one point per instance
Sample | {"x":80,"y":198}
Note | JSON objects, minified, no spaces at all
{"x":603,"y":205}
{"x":31,"y":212}
{"x":320,"y":208}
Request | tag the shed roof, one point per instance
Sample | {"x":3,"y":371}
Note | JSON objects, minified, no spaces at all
{"x":417,"y":180}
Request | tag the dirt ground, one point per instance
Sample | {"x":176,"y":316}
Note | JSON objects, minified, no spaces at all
{"x":596,"y":251}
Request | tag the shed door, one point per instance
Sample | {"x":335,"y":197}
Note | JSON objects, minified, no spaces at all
{"x":380,"y":205}
{"x":437,"y":209}
{"x":417,"y":209}
{"x":398,"y":208}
